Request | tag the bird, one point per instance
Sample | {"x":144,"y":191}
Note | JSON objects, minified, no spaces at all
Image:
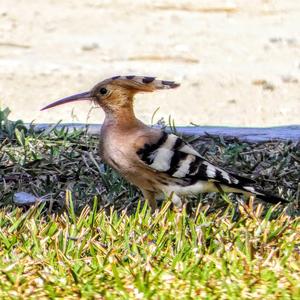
{"x":159,"y":163}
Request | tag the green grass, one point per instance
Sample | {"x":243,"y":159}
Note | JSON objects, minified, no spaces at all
{"x":96,"y":239}
{"x":139,"y":256}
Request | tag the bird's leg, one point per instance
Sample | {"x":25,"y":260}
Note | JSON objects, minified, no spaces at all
{"x":150,"y":197}
{"x":176,"y":200}
{"x":221,"y":191}
{"x":236,"y":213}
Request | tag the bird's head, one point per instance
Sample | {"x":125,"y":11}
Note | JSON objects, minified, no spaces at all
{"x":117,"y":92}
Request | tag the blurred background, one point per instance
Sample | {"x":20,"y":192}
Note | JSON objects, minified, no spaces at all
{"x":238,"y":61}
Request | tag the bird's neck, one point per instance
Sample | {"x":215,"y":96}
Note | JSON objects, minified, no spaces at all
{"x":121,"y":119}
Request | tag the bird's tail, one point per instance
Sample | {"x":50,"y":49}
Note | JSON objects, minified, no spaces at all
{"x":268,"y":197}
{"x":258,"y":192}
{"x":249,"y":186}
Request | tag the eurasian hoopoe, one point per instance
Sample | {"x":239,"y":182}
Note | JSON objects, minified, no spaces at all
{"x":156,"y":162}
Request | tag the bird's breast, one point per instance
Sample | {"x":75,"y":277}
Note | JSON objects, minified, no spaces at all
{"x":117,"y":152}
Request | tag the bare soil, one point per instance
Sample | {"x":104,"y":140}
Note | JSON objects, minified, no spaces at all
{"x":238,"y":61}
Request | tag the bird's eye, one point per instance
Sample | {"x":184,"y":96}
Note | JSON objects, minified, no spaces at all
{"x":103,"y":91}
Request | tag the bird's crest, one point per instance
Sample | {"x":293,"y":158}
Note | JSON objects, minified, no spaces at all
{"x":142,"y":83}
{"x":132,"y":83}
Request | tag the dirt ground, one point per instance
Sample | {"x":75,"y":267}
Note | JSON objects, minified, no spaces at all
{"x":238,"y":61}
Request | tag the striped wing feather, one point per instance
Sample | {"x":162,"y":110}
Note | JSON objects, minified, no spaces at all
{"x":173,"y":156}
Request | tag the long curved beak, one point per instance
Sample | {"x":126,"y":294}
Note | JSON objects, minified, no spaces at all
{"x":77,"y":97}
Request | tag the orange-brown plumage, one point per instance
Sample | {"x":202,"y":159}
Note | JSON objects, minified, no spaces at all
{"x":156,"y":162}
{"x":120,"y":141}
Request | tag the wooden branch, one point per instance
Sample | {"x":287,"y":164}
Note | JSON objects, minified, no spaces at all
{"x":284,"y":133}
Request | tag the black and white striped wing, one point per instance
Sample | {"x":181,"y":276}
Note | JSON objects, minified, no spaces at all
{"x":173,"y":156}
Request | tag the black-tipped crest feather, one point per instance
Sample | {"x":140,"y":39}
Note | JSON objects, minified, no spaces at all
{"x":144,"y":83}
